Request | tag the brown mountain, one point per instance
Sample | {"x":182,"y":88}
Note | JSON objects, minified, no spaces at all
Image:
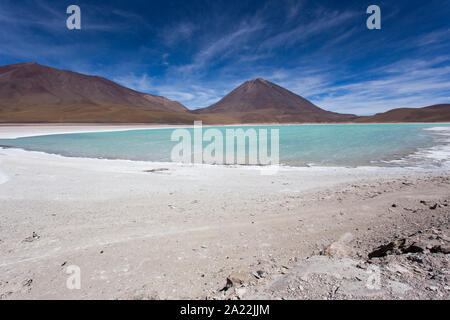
{"x":435,"y":113}
{"x":30,"y":92}
{"x":259,"y":100}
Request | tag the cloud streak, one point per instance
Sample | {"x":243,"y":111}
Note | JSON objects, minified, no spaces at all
{"x":322,"y":51}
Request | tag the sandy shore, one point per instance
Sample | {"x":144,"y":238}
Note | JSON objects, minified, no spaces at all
{"x":179,"y":233}
{"x":14,"y":131}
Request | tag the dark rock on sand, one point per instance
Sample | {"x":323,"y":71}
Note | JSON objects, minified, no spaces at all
{"x":440,"y":249}
{"x":32,"y":238}
{"x":382,"y":251}
{"x":236,"y":279}
{"x":401,"y":246}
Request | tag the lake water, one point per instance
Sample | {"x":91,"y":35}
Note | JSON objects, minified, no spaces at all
{"x":299,"y":145}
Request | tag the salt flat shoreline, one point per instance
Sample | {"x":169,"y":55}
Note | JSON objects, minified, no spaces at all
{"x":13,"y":131}
{"x":179,"y":233}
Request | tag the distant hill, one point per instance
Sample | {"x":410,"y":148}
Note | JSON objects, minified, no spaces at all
{"x":435,"y":113}
{"x":30,"y":92}
{"x":259,"y":100}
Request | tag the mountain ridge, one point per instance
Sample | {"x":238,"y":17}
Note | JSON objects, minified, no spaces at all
{"x":430,"y":114}
{"x":30,"y":92}
{"x":33,"y":92}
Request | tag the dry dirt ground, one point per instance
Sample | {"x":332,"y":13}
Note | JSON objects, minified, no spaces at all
{"x":402,"y":254}
{"x":229,"y":233}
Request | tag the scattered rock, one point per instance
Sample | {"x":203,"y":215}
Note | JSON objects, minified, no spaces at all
{"x":401,"y":246}
{"x":156,"y":170}
{"x":336,"y":249}
{"x":27,"y":282}
{"x":440,"y":249}
{"x":239,"y":278}
{"x":339,"y":248}
{"x":415,"y":259}
{"x":32,"y":238}
{"x":236,"y":279}
{"x":259,"y":274}
{"x":413,"y":248}
{"x":382,"y":251}
{"x":434,"y":206}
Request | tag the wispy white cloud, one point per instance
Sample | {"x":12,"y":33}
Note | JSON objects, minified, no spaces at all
{"x":293,"y":8}
{"x":220,"y":48}
{"x":325,"y":23}
{"x":175,"y":34}
{"x":193,"y":95}
{"x":142,"y":83}
{"x":437,"y":36}
{"x":323,"y":54}
{"x":405,"y":84}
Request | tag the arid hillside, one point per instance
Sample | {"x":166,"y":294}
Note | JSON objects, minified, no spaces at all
{"x":436,"y":113}
{"x":30,"y":92}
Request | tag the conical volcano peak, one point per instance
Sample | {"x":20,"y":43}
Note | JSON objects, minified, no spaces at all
{"x":257,"y":94}
{"x":259,"y":100}
{"x":258,"y":81}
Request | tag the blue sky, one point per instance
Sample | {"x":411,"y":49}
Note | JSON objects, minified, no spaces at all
{"x":197,"y":51}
